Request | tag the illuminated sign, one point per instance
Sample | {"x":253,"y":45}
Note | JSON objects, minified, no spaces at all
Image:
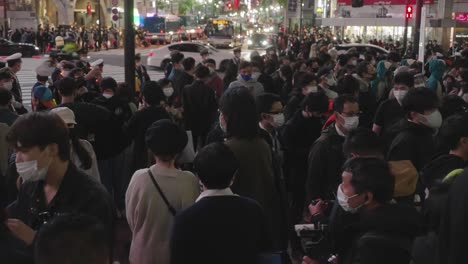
{"x":462,"y":17}
{"x":220,"y":22}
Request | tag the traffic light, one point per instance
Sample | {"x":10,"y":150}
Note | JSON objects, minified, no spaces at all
{"x":229,"y":5}
{"x":357,"y":3}
{"x":88,"y":9}
{"x":409,"y":12}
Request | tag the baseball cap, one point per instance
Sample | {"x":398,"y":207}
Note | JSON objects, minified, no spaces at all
{"x":66,"y":114}
{"x":45,"y":96}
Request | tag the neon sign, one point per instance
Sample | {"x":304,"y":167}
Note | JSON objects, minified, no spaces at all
{"x":462,"y":17}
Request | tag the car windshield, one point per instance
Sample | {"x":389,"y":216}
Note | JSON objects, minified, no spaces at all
{"x":258,"y":37}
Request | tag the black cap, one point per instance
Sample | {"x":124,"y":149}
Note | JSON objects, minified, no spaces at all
{"x":165,"y":138}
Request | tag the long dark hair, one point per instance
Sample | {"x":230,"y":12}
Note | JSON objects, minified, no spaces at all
{"x":81,"y":152}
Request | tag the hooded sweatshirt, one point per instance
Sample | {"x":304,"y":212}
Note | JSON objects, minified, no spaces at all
{"x":437,"y":69}
{"x":438,"y":168}
{"x":254,"y":87}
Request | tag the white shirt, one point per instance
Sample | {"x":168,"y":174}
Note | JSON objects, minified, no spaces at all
{"x":216,"y":192}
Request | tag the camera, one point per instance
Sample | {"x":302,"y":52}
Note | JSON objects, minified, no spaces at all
{"x":315,"y":241}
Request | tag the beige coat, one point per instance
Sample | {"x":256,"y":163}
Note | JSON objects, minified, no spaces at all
{"x":148,"y":216}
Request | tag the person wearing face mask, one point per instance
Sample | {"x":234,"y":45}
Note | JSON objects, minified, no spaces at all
{"x":258,"y":73}
{"x":270,"y":109}
{"x":327,"y":82}
{"x":51,"y":184}
{"x":200,"y":106}
{"x":326,"y":155}
{"x":390,"y":111}
{"x":306,"y":84}
{"x":414,"y":134}
{"x":365,"y":73}
{"x":366,"y":227}
{"x":298,"y":135}
{"x":151,"y":111}
{"x":244,"y":79}
{"x":214,"y":81}
{"x":236,"y":60}
{"x":140,"y":69}
{"x":255,"y":177}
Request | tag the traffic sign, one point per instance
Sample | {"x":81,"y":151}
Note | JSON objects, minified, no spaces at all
{"x":115,"y":17}
{"x":115,"y":2}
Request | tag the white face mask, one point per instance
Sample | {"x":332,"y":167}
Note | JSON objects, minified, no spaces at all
{"x":312,"y":89}
{"x":212,"y":70}
{"x":107,"y":96}
{"x":433,"y":120}
{"x":28,"y":171}
{"x":278,"y":120}
{"x":255,"y":75}
{"x":399,"y":95}
{"x":8,"y":85}
{"x":168,"y":91}
{"x":351,"y":123}
{"x":343,"y":201}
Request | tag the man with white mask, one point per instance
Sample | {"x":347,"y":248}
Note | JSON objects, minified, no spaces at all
{"x":51,"y":184}
{"x":364,"y":217}
{"x":326,"y":155}
{"x":414,"y":134}
{"x":390,"y":111}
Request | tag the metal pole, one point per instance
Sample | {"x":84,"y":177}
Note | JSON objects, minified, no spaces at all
{"x":405,"y":36}
{"x":417,"y":26}
{"x":300,"y":20}
{"x":129,"y":50}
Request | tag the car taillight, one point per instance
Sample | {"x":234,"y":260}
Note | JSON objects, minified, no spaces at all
{"x":162,"y":31}
{"x":150,"y":54}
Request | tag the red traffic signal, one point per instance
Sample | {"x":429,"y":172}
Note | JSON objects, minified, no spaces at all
{"x":88,"y":9}
{"x":409,"y":12}
{"x":229,"y":5}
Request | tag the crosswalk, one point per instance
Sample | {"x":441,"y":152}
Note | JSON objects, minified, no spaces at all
{"x":120,"y":52}
{"x":27,"y":76}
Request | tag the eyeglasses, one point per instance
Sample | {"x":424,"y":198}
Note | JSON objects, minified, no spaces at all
{"x":351,"y":114}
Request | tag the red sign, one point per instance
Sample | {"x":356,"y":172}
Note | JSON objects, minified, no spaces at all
{"x":462,"y":17}
{"x":385,"y":2}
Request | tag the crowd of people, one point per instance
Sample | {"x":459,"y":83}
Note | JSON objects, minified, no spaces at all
{"x":48,"y":38}
{"x":365,"y":150}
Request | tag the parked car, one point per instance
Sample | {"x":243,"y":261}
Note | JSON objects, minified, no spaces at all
{"x":8,"y":48}
{"x":362,"y":48}
{"x":160,"y":57}
{"x":260,"y":41}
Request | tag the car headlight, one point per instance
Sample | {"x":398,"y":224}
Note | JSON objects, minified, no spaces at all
{"x":192,"y":31}
{"x":171,"y":32}
{"x":264,"y":43}
{"x":36,"y":48}
{"x":249,"y":42}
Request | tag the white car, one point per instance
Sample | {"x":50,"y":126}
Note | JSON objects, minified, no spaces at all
{"x":160,"y":57}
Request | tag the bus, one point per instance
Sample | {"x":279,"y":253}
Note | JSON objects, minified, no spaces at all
{"x":220,"y":32}
{"x":162,"y":28}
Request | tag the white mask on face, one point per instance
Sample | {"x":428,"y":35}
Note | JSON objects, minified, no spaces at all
{"x":351,"y":123}
{"x":433,"y":120}
{"x":312,"y":89}
{"x":8,"y":85}
{"x":107,"y":96}
{"x":278,"y":120}
{"x":399,"y":95}
{"x":212,"y":70}
{"x":28,"y":171}
{"x":168,"y":91}
{"x":343,"y":201}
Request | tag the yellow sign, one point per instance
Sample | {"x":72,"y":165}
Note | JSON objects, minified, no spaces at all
{"x":220,"y":22}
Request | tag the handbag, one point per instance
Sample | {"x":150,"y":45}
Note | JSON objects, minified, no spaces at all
{"x":169,"y":206}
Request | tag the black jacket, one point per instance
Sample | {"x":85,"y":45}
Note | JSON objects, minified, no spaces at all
{"x":438,"y":168}
{"x":200,"y":107}
{"x":113,"y":142}
{"x":387,"y":233}
{"x":181,"y":79}
{"x":413,"y":142}
{"x":324,"y":165}
{"x":221,"y":229}
{"x":136,"y":129}
{"x":293,"y":105}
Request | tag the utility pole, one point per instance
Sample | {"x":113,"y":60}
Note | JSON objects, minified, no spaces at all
{"x":417,"y":27}
{"x":129,"y":48}
{"x":405,"y":34}
{"x":300,"y":19}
